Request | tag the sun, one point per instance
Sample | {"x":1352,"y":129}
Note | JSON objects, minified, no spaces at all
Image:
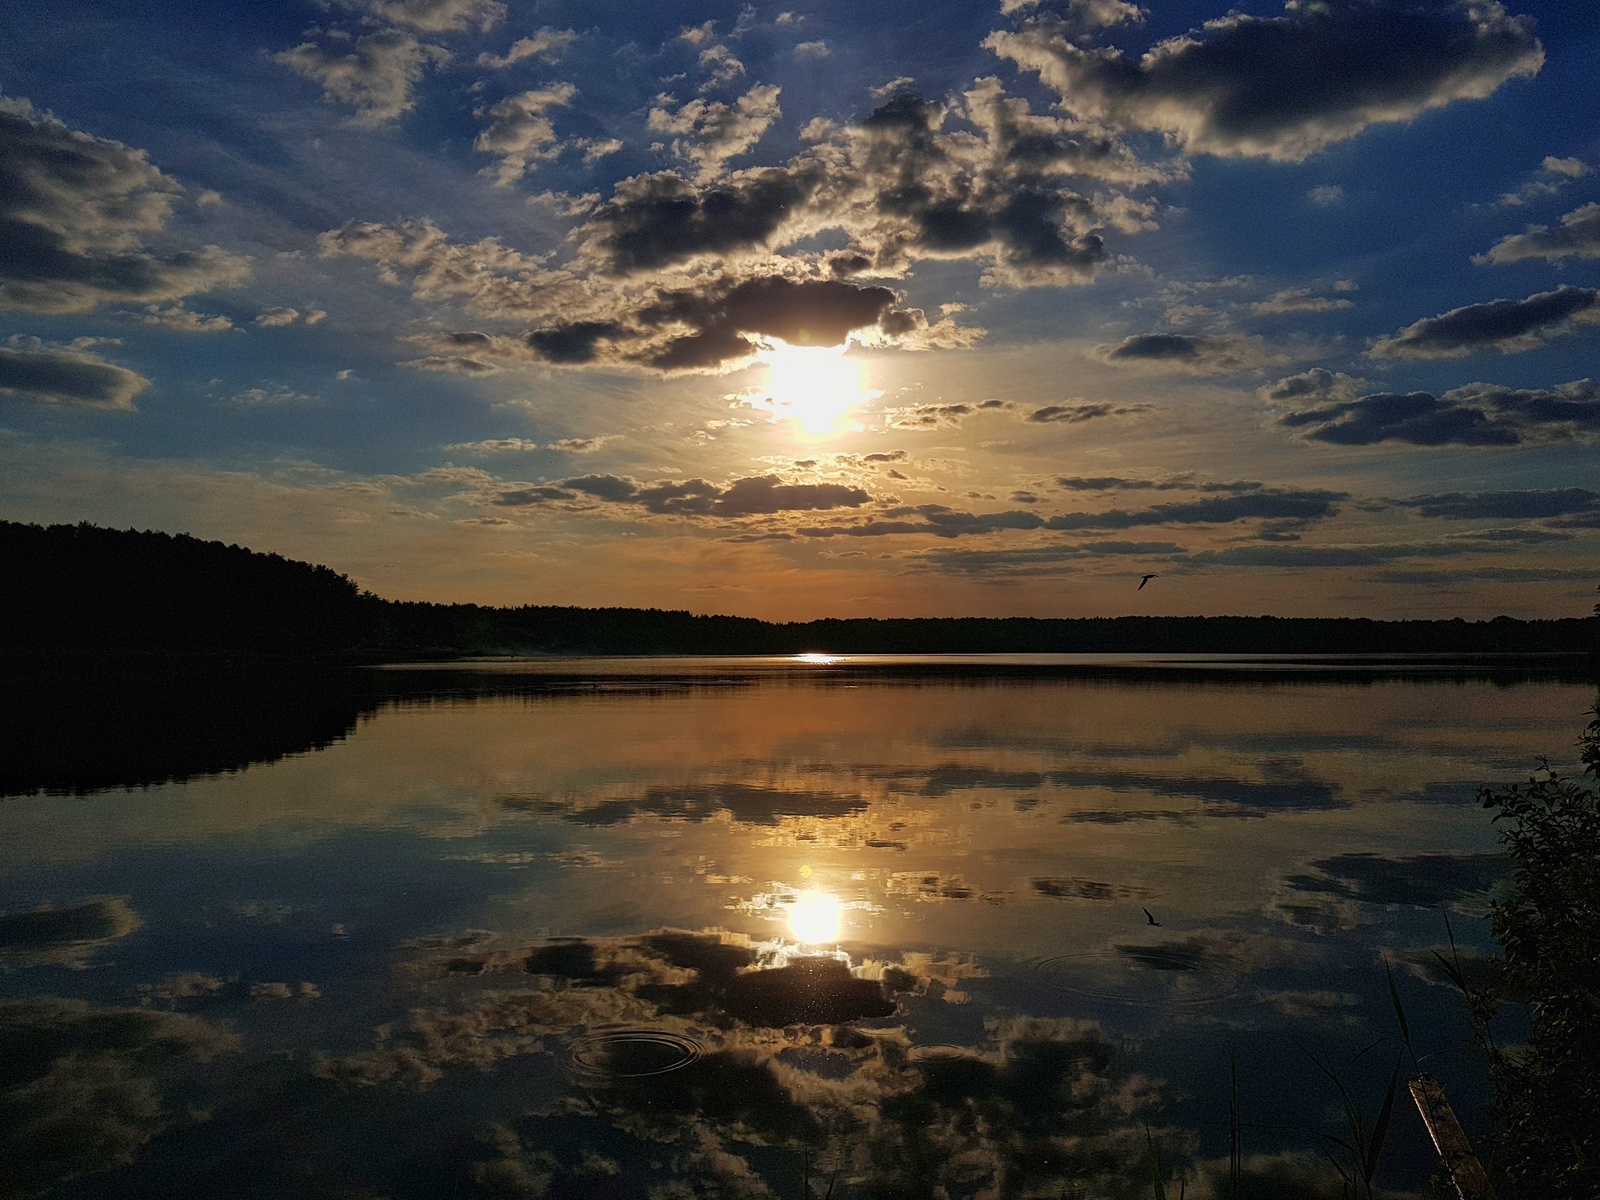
{"x":815,"y":918}
{"x":815,"y":386}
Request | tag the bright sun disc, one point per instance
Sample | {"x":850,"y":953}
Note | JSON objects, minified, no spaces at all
{"x":815,"y":385}
{"x":815,"y":917}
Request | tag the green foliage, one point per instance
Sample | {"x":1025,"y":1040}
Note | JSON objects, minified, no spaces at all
{"x":1547,"y":1092}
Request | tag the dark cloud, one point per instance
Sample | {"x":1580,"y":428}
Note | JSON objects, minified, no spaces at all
{"x":745,"y":803}
{"x":941,"y":416}
{"x":1087,"y":889}
{"x":1509,"y":326}
{"x":1478,"y":414}
{"x":1285,"y":87}
{"x":1256,"y":504}
{"x":1216,"y":353}
{"x":756,"y":495}
{"x":1419,"y":880}
{"x":1037,"y":561}
{"x":1073,"y":414}
{"x":1477,"y":506}
{"x":1176,"y":483}
{"x":1315,"y":384}
{"x":74,"y":378}
{"x":75,"y":211}
{"x":1578,"y":236}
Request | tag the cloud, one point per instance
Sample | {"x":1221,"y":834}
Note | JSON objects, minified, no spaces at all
{"x":1528,"y":505}
{"x":435,"y":16}
{"x":1299,"y":300}
{"x":1416,"y":880}
{"x":375,"y":77}
{"x":714,"y":132}
{"x":1510,"y":326}
{"x":1285,"y":87}
{"x":176,"y":316}
{"x":83,"y":1086}
{"x":68,"y":376}
{"x":1316,"y":384}
{"x":722,"y":64}
{"x":1175,"y":483}
{"x":496,"y":446}
{"x":812,"y":50}
{"x":75,"y":211}
{"x":273,"y":317}
{"x":1578,"y":236}
{"x":1553,"y":175}
{"x":1477,"y":414}
{"x":1085,"y":14}
{"x":940,"y":416}
{"x":548,"y":43}
{"x":1275,"y":504}
{"x":899,"y":83}
{"x":1076,"y":414}
{"x":64,"y":937}
{"x":1327,"y":195}
{"x":520,"y":133}
{"x":756,"y":495}
{"x":1222,"y":354}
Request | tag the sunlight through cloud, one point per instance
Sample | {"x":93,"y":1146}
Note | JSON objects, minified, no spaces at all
{"x":816,"y":918}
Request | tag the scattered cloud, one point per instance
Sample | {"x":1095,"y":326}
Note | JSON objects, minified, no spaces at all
{"x":547,"y":44}
{"x":713,"y":132}
{"x":757,"y":495}
{"x":275,"y":317}
{"x":1477,"y":414}
{"x":64,"y":937}
{"x":1553,"y":175}
{"x":514,"y":445}
{"x":176,"y":316}
{"x":75,"y":211}
{"x":1578,"y":236}
{"x":1220,"y":354}
{"x":1494,"y":506}
{"x":1077,"y":413}
{"x":1285,"y":87}
{"x":66,"y":375}
{"x":1300,"y":300}
{"x":1510,"y":326}
{"x":1327,"y":195}
{"x":434,"y":16}
{"x":519,"y":131}
{"x":812,"y":50}
{"x":375,"y":76}
{"x":940,"y":416}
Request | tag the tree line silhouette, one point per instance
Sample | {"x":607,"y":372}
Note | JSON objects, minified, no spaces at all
{"x":88,"y":591}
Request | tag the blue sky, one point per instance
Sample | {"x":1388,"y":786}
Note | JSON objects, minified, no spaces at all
{"x":836,"y":310}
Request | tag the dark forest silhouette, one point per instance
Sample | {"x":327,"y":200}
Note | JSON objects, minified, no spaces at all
{"x":84,"y":591}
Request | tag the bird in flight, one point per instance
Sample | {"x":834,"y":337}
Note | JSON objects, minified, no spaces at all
{"x":1149,"y":918}
{"x":1145,"y":580}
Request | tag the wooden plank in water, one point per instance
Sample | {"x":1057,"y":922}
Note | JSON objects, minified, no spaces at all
{"x":1466,"y":1173}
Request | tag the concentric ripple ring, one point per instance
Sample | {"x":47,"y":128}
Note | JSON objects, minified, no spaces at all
{"x":632,"y":1052}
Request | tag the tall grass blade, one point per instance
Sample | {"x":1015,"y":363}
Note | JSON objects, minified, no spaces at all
{"x":1155,"y":1166}
{"x":1235,"y":1149}
{"x":1399,"y":1010}
{"x":1380,"y":1128}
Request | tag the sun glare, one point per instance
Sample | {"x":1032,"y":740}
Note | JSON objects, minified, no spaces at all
{"x":815,"y":918}
{"x":816,"y":386}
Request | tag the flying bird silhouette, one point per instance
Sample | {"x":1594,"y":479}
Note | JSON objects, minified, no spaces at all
{"x":1146,"y":580}
{"x":1149,"y":918}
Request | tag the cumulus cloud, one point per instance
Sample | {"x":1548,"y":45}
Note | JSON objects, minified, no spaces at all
{"x":435,"y":16}
{"x":176,"y":316}
{"x":721,"y":63}
{"x":70,"y":376}
{"x":812,"y":50}
{"x":75,"y":211}
{"x":520,"y":133}
{"x":547,"y":44}
{"x":1173,"y":483}
{"x":1315,"y":384}
{"x":713,"y":132}
{"x":495,"y":446}
{"x":1510,"y":326}
{"x":1220,"y":354}
{"x":1477,"y":414}
{"x":1084,"y":14}
{"x":1553,"y":175}
{"x":940,"y":416}
{"x":757,"y":495}
{"x":1578,"y":236}
{"x":1285,"y":87}
{"x":274,"y":317}
{"x":375,"y":76}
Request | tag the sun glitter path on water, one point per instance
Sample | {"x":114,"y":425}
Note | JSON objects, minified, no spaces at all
{"x":815,"y":918}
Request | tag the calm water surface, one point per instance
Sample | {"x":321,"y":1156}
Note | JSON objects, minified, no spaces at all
{"x":673,"y":928}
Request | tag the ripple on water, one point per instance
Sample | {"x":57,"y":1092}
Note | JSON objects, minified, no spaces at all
{"x":632,"y":1052}
{"x":1156,"y":979}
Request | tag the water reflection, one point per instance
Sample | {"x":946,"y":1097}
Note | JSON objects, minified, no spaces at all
{"x":661,"y":933}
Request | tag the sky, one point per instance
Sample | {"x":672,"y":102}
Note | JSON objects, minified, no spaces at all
{"x":920,"y":308}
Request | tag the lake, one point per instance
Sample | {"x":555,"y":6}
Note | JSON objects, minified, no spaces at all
{"x":664,"y":928}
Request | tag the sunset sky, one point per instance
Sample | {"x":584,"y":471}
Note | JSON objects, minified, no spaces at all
{"x":789,"y":311}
